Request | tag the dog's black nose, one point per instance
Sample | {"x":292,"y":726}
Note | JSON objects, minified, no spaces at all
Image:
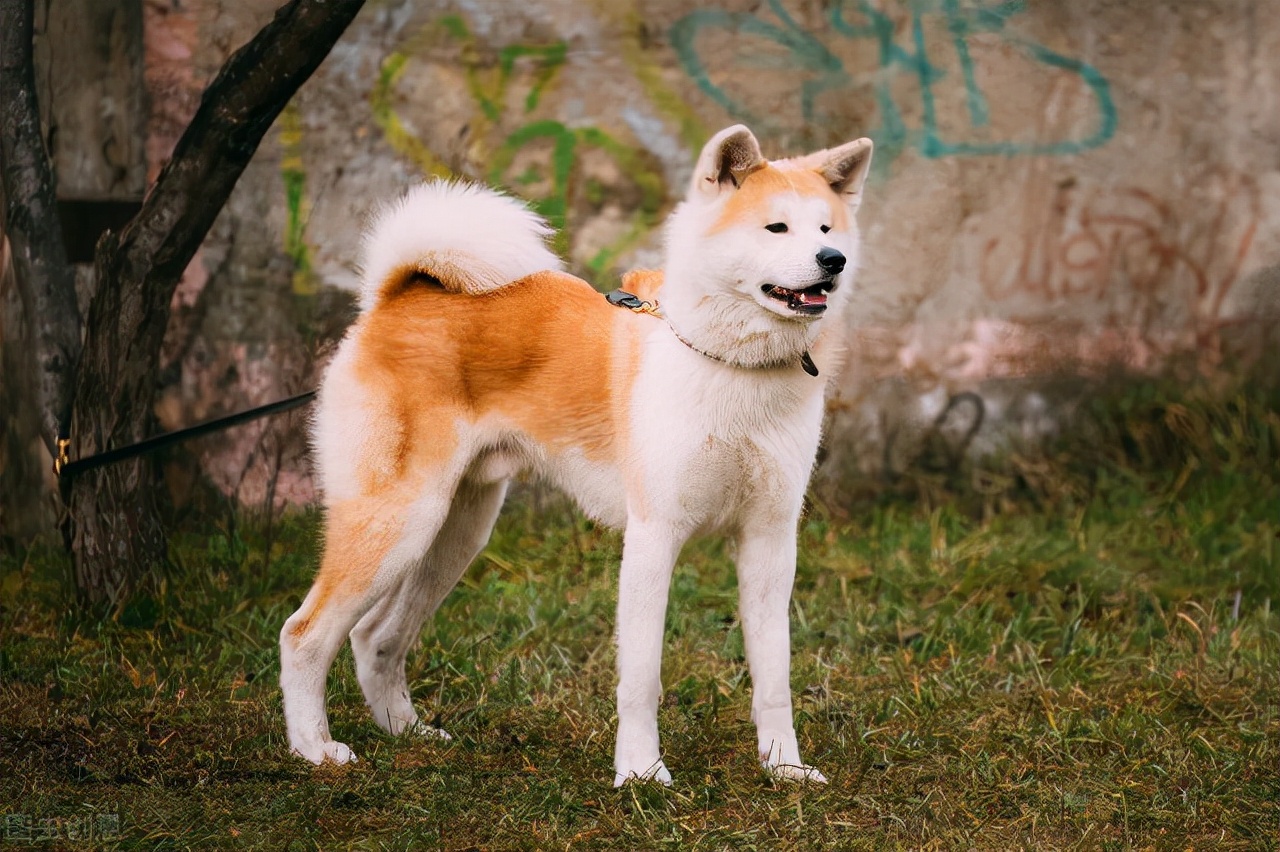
{"x":831,"y":261}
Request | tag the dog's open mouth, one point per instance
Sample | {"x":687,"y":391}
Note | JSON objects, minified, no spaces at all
{"x":810,"y":301}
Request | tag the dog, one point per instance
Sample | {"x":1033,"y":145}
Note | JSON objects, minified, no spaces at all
{"x":476,"y":359}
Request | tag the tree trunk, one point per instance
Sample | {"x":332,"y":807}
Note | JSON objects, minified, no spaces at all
{"x":113,"y":527}
{"x":26,"y":504}
{"x":46,"y":281}
{"x":113,"y":530}
{"x":115,"y":534}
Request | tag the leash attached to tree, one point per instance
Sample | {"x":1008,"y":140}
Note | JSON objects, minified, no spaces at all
{"x":65,"y":468}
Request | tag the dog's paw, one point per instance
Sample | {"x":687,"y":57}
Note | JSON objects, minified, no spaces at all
{"x":780,"y":758}
{"x":656,"y":772}
{"x":336,"y":753}
{"x":793,"y":772}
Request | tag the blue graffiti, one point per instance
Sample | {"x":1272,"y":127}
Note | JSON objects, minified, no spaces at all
{"x":823,"y":71}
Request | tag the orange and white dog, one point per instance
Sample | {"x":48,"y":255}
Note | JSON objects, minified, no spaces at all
{"x":476,"y":359}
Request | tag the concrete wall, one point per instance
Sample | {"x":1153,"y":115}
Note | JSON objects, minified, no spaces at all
{"x":1093,"y":164}
{"x":1057,"y":186}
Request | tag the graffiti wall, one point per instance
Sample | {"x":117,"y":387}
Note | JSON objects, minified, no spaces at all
{"x":1057,"y":186}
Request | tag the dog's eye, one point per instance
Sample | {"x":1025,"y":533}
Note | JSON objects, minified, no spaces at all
{"x":826,"y":228}
{"x":776,"y":228}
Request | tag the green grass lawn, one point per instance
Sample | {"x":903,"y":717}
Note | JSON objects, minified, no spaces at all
{"x":1072,"y":650}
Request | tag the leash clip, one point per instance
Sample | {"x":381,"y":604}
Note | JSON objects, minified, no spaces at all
{"x":633,"y":303}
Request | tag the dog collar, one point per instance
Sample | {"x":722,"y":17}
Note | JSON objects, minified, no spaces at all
{"x":633,"y":303}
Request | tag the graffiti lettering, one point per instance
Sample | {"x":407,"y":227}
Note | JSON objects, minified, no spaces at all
{"x":1126,"y":246}
{"x":821,"y":70}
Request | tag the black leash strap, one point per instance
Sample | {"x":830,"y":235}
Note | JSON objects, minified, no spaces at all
{"x":68,"y":469}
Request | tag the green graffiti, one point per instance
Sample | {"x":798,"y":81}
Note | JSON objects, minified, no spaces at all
{"x":818,"y":70}
{"x":566,"y":143}
{"x":386,"y":120}
{"x":490,"y":85}
{"x":295,"y":194}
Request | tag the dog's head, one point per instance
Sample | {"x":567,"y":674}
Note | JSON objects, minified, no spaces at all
{"x":775,"y":238}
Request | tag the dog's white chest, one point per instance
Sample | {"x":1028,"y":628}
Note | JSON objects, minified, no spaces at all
{"x":734,"y":481}
{"x":716,"y":447}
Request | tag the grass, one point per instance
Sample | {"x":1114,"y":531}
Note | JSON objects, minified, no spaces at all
{"x":1072,"y":650}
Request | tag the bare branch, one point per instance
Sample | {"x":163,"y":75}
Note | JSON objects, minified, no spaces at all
{"x":235,"y":112}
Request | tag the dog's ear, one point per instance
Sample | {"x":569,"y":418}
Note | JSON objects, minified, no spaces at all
{"x":726,"y":160}
{"x":845,"y":168}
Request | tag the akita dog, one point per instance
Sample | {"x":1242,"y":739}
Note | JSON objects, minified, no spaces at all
{"x":475,"y":358}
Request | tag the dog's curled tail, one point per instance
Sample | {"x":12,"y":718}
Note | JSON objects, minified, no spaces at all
{"x":470,"y":238}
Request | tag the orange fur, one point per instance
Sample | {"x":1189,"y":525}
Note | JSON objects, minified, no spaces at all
{"x":536,"y":352}
{"x":750,"y":205}
{"x":356,"y":540}
{"x":539,"y":354}
{"x":642,"y":282}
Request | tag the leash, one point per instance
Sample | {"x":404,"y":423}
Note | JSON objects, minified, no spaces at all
{"x":65,"y":468}
{"x":633,"y":303}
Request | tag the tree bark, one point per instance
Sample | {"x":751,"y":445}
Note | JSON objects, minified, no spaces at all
{"x":26,"y":505}
{"x":46,"y":281}
{"x":114,"y":533}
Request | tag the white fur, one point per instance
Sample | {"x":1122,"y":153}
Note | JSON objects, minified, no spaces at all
{"x":446,"y":226}
{"x":727,"y":446}
{"x":724,"y":440}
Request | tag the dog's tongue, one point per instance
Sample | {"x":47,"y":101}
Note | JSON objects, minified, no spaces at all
{"x":815,"y":298}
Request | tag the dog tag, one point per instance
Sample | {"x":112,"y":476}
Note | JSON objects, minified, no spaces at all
{"x":806,"y":361}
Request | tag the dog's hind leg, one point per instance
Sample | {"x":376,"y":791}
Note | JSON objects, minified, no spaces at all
{"x":370,"y":543}
{"x":381,"y":639}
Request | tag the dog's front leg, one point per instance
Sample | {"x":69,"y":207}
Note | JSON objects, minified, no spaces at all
{"x":649,"y":553}
{"x":766,"y":572}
